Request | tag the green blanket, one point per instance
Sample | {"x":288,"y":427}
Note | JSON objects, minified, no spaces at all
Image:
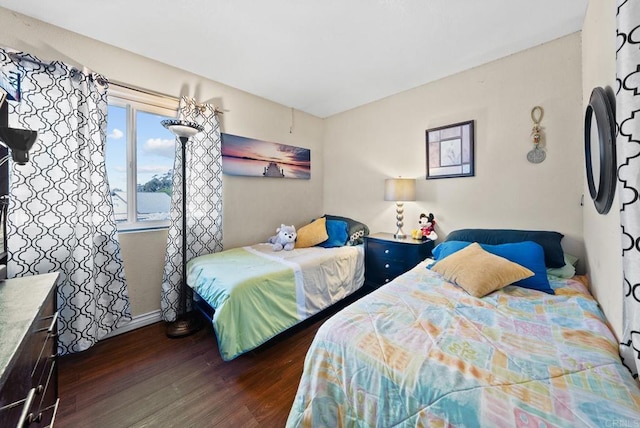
{"x":254,"y":297}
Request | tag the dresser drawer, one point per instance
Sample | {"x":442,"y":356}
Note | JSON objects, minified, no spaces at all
{"x":45,"y":374}
{"x":17,"y":397}
{"x":29,"y":383}
{"x":31,"y":392}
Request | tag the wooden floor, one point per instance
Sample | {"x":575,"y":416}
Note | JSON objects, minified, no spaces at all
{"x":144,"y":379}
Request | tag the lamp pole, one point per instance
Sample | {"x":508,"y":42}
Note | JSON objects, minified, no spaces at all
{"x":186,"y":322}
{"x":183,"y":296}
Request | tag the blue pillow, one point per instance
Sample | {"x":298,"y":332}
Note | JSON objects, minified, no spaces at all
{"x":447,"y":248}
{"x":338,"y":232}
{"x":526,"y":253}
{"x":357,"y":230}
{"x":550,"y":241}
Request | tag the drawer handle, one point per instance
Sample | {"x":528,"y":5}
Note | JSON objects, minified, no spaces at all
{"x":26,"y":417}
{"x":386,"y":251}
{"x":52,"y":326}
{"x":386,"y":266}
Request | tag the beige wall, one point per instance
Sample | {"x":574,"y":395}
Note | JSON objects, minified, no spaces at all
{"x":386,"y":139}
{"x":253,"y":207}
{"x":353,"y":152}
{"x":602,"y":232}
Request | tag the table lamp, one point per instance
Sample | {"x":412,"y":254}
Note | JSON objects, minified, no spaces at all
{"x":400,"y":190}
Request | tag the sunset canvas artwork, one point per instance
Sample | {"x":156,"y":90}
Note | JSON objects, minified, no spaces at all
{"x":257,"y":158}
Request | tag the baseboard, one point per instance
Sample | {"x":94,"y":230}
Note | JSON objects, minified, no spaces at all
{"x":137,"y":322}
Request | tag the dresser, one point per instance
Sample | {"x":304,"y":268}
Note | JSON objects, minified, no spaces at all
{"x":386,"y":257}
{"x":28,"y":351}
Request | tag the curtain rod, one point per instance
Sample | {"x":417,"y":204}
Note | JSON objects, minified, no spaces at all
{"x":26,"y":57}
{"x":158,"y":94}
{"x":21,"y":56}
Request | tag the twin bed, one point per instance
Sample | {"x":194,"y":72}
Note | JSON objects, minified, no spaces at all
{"x":467,"y":339}
{"x":258,"y":293}
{"x":422,"y":351}
{"x":253,"y":293}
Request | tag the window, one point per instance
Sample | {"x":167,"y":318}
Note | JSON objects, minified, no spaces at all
{"x":139,"y":157}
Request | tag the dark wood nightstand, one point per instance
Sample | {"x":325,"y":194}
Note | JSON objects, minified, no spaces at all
{"x":386,"y":257}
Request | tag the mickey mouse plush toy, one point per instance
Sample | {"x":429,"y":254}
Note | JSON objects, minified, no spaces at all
{"x":427,"y":226}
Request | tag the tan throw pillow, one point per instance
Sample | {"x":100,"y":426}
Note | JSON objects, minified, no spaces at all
{"x":478,"y":271}
{"x":312,"y":234}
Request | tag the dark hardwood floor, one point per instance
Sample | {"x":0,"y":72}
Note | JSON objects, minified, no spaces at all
{"x":144,"y":379}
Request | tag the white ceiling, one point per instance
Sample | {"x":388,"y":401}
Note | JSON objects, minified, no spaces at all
{"x":319,"y":56}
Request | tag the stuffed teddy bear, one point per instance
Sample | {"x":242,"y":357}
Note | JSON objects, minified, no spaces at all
{"x":427,"y":226}
{"x":284,"y":239}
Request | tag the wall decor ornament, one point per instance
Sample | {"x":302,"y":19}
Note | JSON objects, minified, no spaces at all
{"x":537,"y":155}
{"x":257,"y":158}
{"x":450,"y":151}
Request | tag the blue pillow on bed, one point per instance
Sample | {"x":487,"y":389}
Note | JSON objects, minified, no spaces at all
{"x":338,"y":232}
{"x":527,"y":253}
{"x":357,"y":230}
{"x":550,"y":241}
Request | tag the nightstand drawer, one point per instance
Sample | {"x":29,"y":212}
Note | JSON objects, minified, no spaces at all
{"x":386,"y":257}
{"x":381,"y":274}
{"x":384,"y":250}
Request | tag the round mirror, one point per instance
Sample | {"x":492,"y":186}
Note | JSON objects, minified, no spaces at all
{"x":600,"y":149}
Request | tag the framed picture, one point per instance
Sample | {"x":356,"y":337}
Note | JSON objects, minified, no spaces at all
{"x":257,"y":158}
{"x":450,"y":151}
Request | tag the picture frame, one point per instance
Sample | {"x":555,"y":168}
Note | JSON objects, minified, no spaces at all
{"x":250,"y":157}
{"x":450,"y":151}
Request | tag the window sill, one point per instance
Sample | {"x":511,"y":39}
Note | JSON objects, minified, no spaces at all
{"x":138,"y":229}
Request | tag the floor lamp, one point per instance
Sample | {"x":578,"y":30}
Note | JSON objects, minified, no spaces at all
{"x":186,"y":323}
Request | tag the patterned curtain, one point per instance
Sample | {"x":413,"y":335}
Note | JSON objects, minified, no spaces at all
{"x":628,"y":142}
{"x":60,"y":213}
{"x":204,"y":201}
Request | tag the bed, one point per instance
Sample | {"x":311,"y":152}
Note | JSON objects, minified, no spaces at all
{"x":423,"y":351}
{"x":253,"y":293}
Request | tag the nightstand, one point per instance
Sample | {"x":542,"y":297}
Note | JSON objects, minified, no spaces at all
{"x":386,"y":257}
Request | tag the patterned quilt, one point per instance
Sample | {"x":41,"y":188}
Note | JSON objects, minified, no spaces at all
{"x":422,"y":352}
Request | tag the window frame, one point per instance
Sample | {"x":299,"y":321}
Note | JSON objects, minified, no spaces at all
{"x":134,"y":100}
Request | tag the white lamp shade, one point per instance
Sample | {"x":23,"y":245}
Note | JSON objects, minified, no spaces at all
{"x":400,"y":189}
{"x":182,"y":128}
